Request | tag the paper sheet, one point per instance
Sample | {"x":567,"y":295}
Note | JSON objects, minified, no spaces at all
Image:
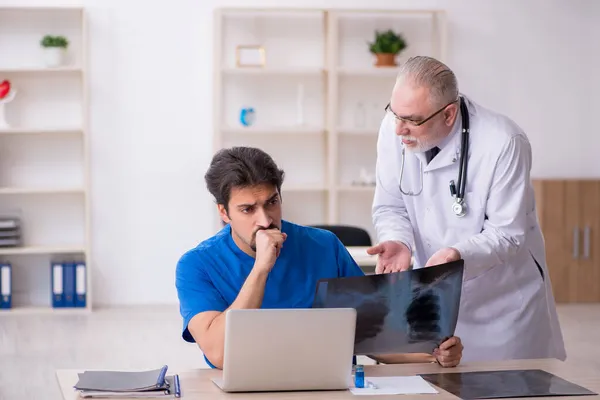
{"x":389,"y":385}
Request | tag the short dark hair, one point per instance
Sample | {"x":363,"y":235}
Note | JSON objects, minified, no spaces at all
{"x":240,"y":167}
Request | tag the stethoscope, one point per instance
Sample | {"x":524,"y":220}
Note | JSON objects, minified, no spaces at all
{"x":459,"y":207}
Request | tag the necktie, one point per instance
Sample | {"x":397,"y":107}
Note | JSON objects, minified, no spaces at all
{"x":432,"y":153}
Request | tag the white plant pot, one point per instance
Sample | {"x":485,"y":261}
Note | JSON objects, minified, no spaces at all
{"x":54,"y":56}
{"x":3,"y":123}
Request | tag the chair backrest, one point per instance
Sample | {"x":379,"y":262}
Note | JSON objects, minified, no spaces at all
{"x":349,"y":235}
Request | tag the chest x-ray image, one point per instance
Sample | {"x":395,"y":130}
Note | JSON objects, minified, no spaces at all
{"x":506,"y":384}
{"x":403,"y":312}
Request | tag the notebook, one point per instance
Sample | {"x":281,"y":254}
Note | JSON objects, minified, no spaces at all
{"x":134,"y":384}
{"x":166,"y":390}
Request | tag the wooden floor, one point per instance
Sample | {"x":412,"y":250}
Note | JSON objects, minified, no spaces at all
{"x":33,"y":347}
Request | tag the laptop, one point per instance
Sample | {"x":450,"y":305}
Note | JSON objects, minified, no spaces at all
{"x":288,"y":350}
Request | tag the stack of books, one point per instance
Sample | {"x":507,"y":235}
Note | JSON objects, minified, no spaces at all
{"x":128,"y":384}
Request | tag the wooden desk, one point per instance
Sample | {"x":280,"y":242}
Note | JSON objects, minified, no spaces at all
{"x":197,"y":384}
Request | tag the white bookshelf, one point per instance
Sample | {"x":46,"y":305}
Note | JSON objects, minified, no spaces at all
{"x":326,"y":52}
{"x":44,"y":166}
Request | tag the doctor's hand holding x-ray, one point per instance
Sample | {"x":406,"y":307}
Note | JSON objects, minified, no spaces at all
{"x":453,"y":182}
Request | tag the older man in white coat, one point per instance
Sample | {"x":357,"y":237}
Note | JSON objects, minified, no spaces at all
{"x":507,"y":308}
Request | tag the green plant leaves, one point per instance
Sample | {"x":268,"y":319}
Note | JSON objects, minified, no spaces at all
{"x":54,"y":41}
{"x":387,"y":42}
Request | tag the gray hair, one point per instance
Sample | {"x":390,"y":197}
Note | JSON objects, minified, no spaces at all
{"x":433,"y":74}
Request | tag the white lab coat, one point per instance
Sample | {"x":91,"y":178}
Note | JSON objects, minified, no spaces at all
{"x":507,"y":309}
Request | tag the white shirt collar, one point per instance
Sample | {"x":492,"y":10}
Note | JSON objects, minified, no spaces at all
{"x":456,"y":128}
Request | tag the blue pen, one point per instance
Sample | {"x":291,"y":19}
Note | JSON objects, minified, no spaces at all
{"x":177,"y":386}
{"x":162,"y":375}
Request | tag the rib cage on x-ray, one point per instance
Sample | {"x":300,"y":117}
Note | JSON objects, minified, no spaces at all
{"x":403,"y":312}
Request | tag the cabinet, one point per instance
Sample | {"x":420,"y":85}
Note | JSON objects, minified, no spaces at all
{"x":569,"y":213}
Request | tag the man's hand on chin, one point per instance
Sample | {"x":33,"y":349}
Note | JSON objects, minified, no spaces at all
{"x":443,"y":256}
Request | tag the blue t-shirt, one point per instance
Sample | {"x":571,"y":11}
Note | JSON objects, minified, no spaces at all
{"x":210,"y":276}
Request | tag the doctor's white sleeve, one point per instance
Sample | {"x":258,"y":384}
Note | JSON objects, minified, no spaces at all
{"x":390,"y":218}
{"x":506,"y":223}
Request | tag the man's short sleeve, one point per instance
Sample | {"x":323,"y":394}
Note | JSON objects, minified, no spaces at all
{"x":346,"y":264}
{"x":195,"y":290}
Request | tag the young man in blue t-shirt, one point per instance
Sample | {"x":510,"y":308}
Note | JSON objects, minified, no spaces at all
{"x":259,"y":260}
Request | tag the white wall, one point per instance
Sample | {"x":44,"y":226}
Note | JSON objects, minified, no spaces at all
{"x":151,"y":113}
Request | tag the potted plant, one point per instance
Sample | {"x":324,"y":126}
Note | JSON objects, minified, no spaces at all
{"x":55,"y":48}
{"x":386,"y":46}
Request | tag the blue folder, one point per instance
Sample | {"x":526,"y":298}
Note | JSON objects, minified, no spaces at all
{"x":69,"y":284}
{"x":80,"y":284}
{"x":57,"y":285}
{"x":5,"y":285}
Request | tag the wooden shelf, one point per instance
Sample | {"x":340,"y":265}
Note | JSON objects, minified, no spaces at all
{"x":39,"y":70}
{"x":385,"y":72}
{"x":41,"y":8}
{"x":48,"y":190}
{"x":275,"y":131}
{"x":273,"y":71}
{"x":303,"y":188}
{"x":42,"y":250}
{"x":37,"y":310}
{"x":40,"y":131}
{"x":270,"y":12}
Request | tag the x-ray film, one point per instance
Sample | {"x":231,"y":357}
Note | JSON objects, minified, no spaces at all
{"x":505,"y":384}
{"x":403,"y":312}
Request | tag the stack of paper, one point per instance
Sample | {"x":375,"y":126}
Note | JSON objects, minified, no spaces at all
{"x":390,"y":385}
{"x":144,"y":384}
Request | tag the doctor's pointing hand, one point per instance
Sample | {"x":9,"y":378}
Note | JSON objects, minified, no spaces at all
{"x":453,"y":182}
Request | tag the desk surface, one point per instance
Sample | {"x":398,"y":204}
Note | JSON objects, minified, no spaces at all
{"x":197,"y":384}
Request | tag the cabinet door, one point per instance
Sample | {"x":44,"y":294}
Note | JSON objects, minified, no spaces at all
{"x":558,"y":211}
{"x":586,"y":275}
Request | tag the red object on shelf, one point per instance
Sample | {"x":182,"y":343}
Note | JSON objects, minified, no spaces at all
{"x":4,"y":89}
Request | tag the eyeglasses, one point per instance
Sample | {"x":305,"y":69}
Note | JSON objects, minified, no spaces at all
{"x":413,"y":122}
